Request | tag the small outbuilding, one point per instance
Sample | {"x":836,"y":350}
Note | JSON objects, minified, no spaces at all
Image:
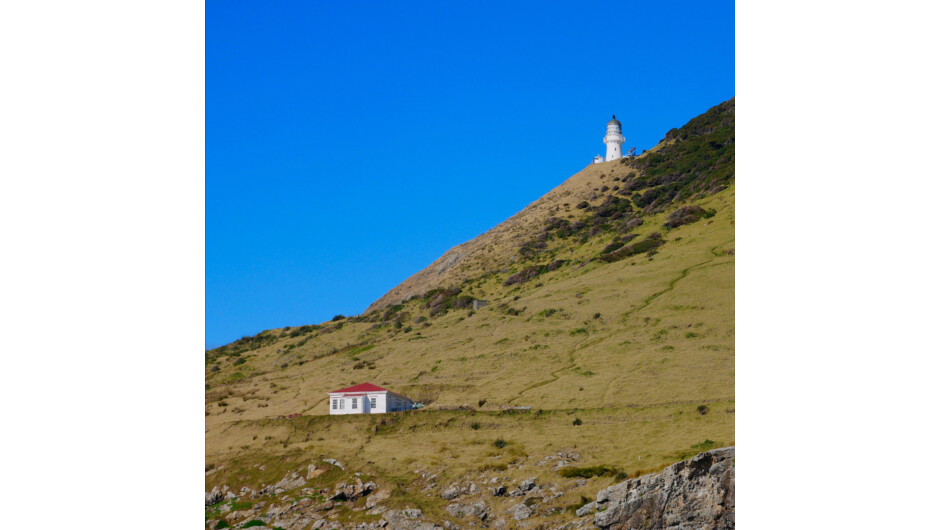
{"x":366,"y":398}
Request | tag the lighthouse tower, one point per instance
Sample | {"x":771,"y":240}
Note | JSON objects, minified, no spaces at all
{"x":614,"y":140}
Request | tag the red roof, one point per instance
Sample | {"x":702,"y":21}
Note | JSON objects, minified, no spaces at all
{"x":361,"y":387}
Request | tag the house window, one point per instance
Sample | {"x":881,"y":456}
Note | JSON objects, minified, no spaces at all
{"x":335,"y":405}
{"x":372,"y":402}
{"x":342,"y":402}
{"x":354,"y":403}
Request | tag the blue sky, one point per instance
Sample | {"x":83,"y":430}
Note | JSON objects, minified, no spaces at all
{"x":349,"y":144}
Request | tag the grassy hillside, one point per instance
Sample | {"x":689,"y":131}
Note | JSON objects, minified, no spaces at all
{"x":611,"y":302}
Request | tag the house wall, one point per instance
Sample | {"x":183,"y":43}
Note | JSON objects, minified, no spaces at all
{"x":364,"y":405}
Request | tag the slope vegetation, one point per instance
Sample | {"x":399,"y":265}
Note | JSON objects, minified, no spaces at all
{"x":608,"y":338}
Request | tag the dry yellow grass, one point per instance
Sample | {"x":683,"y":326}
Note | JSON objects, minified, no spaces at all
{"x":662,"y":345}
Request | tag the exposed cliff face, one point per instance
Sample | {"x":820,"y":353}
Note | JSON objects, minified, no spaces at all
{"x":692,"y":494}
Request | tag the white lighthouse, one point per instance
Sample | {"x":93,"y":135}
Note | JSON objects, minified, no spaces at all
{"x":614,"y":140}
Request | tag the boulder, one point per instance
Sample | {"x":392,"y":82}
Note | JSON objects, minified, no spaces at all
{"x":519,"y":511}
{"x":351,"y":492}
{"x":215,"y":496}
{"x":586,"y":509}
{"x":313,"y":471}
{"x":695,"y":493}
{"x":450,"y":493}
{"x":499,"y":491}
{"x":335,"y":462}
{"x":477,"y":509}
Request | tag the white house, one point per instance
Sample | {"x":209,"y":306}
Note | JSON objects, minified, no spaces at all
{"x":366,"y":398}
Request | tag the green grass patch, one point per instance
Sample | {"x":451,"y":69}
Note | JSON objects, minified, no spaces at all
{"x":592,"y":471}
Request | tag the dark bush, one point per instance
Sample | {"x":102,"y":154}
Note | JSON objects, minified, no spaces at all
{"x":632,"y":223}
{"x":582,"y":205}
{"x":685,"y":215}
{"x":652,"y":241}
{"x":588,"y":472}
{"x":500,"y":443}
{"x":338,"y":318}
{"x":613,"y":246}
{"x":577,"y":421}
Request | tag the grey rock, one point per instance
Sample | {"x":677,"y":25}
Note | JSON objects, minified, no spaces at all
{"x":351,"y":492}
{"x":215,"y":496}
{"x":519,"y":511}
{"x":450,"y":493}
{"x":499,"y":491}
{"x":695,"y":493}
{"x":527,"y":484}
{"x":586,"y":509}
{"x":335,"y":462}
{"x":477,"y":509}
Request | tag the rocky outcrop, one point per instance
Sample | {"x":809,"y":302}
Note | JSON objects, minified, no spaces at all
{"x":351,"y":492}
{"x":692,"y":494}
{"x":519,"y":511}
{"x":476,"y":509}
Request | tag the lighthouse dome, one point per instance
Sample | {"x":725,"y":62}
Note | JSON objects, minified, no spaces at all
{"x":614,"y":121}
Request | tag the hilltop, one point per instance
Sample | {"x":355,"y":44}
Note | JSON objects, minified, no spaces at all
{"x":673,"y":171}
{"x":610,"y":321}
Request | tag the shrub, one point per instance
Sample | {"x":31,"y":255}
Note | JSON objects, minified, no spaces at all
{"x":588,"y":472}
{"x":253,"y":522}
{"x":582,"y":205}
{"x":577,"y":421}
{"x":335,"y":319}
{"x":475,"y":426}
{"x":577,"y":506}
{"x":702,"y":409}
{"x":704,"y":446}
{"x":481,"y":402}
{"x":522,"y":276}
{"x":597,"y":316}
{"x":685,"y":215}
{"x":222,"y":524}
{"x":652,"y":241}
{"x":240,"y":360}
{"x":500,"y":443}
